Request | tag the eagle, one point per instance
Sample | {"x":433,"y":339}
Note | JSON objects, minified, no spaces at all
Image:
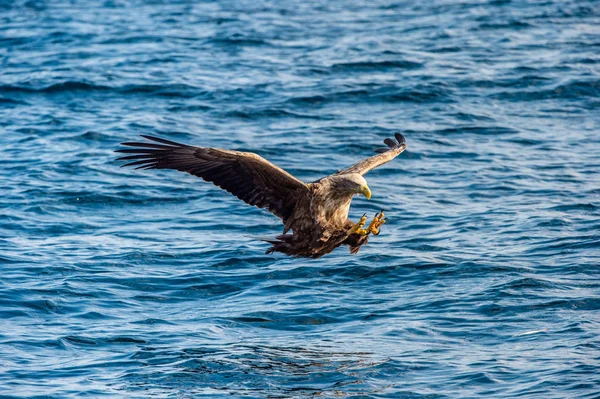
{"x":314,"y":215}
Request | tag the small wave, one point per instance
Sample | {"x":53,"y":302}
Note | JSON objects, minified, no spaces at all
{"x":285,"y":321}
{"x":513,"y":82}
{"x":553,"y":223}
{"x":588,"y":207}
{"x":495,"y":309}
{"x":190,"y":108}
{"x":92,"y":136}
{"x":510,"y":25}
{"x":167,"y":90}
{"x":425,"y":95}
{"x":67,"y":86}
{"x":418,"y":94}
{"x":525,"y":141}
{"x":139,"y":39}
{"x":529,"y":283}
{"x":94,"y":316}
{"x":152,"y":321}
{"x":83,"y":340}
{"x":469,"y":117}
{"x":565,"y":245}
{"x":9,"y":101}
{"x":446,"y":49}
{"x":313,"y":100}
{"x":483,"y":130}
{"x":569,"y":91}
{"x":43,"y":305}
{"x":375,"y":65}
{"x":269,"y":114}
{"x":238,"y":40}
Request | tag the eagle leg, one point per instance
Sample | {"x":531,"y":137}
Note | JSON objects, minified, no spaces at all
{"x":358,"y":227}
{"x":376,"y":223}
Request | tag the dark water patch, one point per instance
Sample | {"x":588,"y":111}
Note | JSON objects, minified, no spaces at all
{"x":445,"y":49}
{"x":79,"y":340}
{"x":530,"y":283}
{"x":419,"y":94}
{"x":553,"y":223}
{"x":270,"y":114}
{"x":477,"y":130}
{"x":94,"y":316}
{"x":190,"y":108}
{"x":526,"y":141}
{"x":509,"y":25}
{"x":238,"y":41}
{"x":566,"y":244}
{"x":62,"y":87}
{"x":171,"y":90}
{"x":512,"y":82}
{"x":359,"y":66}
{"x":9,"y":102}
{"x":7,"y":314}
{"x":8,"y":259}
{"x":456,"y":155}
{"x":153,"y":321}
{"x":473,"y":117}
{"x":586,"y":207}
{"x":591,"y":61}
{"x":134,"y":39}
{"x":491,"y":310}
{"x":41,"y":305}
{"x":311,"y":100}
{"x":92,"y":136}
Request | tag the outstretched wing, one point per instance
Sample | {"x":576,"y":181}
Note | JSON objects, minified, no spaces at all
{"x":386,"y":154}
{"x":248,"y":176}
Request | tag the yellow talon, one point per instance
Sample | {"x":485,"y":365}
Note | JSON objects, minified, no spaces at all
{"x":358,"y":227}
{"x":376,"y":223}
{"x":373,"y":227}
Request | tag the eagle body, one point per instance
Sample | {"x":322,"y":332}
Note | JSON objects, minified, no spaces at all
{"x":319,"y":223}
{"x":314,"y":215}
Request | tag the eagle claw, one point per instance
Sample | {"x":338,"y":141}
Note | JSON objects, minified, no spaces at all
{"x":376,"y":223}
{"x":373,"y":227}
{"x":358,"y":227}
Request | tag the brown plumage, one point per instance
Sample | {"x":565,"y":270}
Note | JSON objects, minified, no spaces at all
{"x":315,"y":215}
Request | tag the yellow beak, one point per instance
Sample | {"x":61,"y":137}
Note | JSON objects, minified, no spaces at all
{"x":366,"y":192}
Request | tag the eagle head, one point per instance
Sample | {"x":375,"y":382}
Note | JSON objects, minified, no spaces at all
{"x":351,"y":183}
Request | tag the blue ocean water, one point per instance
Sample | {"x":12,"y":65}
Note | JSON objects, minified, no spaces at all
{"x":485,"y":281}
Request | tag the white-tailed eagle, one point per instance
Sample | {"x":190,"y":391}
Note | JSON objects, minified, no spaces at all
{"x":315,"y":215}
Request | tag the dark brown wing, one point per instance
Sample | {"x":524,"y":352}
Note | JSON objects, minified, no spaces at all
{"x":248,"y":176}
{"x":386,"y":154}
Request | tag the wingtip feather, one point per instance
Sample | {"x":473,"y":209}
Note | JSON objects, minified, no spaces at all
{"x":400,"y":138}
{"x":390,"y":143}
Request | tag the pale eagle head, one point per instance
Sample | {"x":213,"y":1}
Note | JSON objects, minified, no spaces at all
{"x":350,"y":184}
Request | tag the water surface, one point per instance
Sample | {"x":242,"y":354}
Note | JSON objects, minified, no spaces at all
{"x":123,"y":283}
